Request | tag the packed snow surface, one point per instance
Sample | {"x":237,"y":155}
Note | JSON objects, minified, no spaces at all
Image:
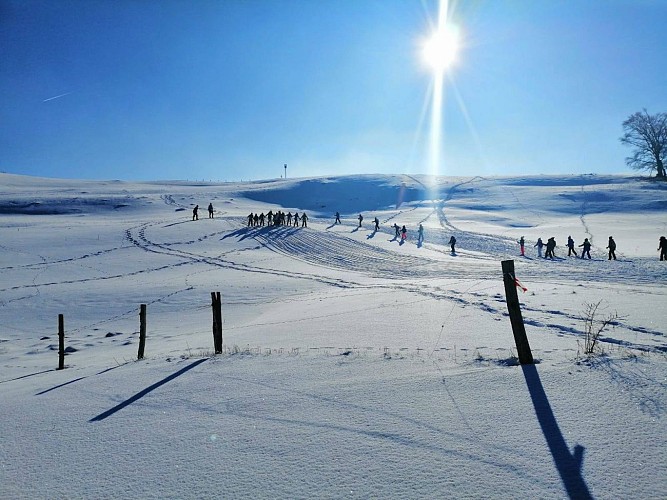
{"x":355,"y":365}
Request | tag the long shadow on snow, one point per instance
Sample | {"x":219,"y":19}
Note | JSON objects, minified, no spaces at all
{"x":147,"y":390}
{"x":252,"y":231}
{"x":568,"y":464}
{"x":77,"y":379}
{"x":26,"y":376}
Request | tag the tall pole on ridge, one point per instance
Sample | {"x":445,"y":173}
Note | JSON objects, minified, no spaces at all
{"x":285,"y":170}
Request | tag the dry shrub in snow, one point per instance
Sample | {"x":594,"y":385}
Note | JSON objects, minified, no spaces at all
{"x":595,"y":324}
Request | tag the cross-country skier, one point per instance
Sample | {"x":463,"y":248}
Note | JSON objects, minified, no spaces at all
{"x":195,"y":215}
{"x":377,"y":224}
{"x":337,"y":221}
{"x":551,"y":245}
{"x":397,"y":229}
{"x":250,"y":220}
{"x":404,"y":234}
{"x":587,"y":248}
{"x":452,"y":243}
{"x":289,"y":218}
{"x":420,"y":234}
{"x":662,"y":246}
{"x":539,"y":246}
{"x":522,"y":243}
{"x":361,"y":218}
{"x":296,"y":219}
{"x":570,"y":247}
{"x":304,"y":220}
{"x":210,"y":210}
{"x":612,"y":248}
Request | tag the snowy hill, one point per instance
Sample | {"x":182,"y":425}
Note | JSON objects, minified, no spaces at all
{"x":355,"y":365}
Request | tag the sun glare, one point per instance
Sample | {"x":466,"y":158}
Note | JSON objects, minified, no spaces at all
{"x":440,"y":51}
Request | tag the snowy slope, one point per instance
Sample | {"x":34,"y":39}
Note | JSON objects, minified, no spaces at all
{"x":355,"y":366}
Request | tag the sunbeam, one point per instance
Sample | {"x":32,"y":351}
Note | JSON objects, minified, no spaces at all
{"x":439,"y":52}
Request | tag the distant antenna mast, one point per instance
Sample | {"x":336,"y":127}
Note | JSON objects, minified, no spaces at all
{"x":285,"y":170}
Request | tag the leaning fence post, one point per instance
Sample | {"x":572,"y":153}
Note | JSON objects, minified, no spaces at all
{"x":142,"y":331}
{"x":61,"y":342}
{"x":514,"y":309}
{"x":216,"y":304}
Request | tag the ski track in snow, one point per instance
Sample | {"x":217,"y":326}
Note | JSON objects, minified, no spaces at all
{"x":414,"y":274}
{"x":392,"y":269}
{"x":335,"y":251}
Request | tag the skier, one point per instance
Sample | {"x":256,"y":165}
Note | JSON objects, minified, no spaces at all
{"x":377,"y":224}
{"x":361,"y":217}
{"x":261,"y":219}
{"x":337,"y":221}
{"x":663,"y":248}
{"x":304,"y":220}
{"x":420,"y":235}
{"x":522,"y":242}
{"x":587,"y":248}
{"x":250,"y":220}
{"x":195,"y":215}
{"x":397,"y":229}
{"x":210,"y":210}
{"x":296,"y":219}
{"x":404,"y":234}
{"x":539,"y":246}
{"x":256,"y":219}
{"x":289,"y":218}
{"x":452,"y":242}
{"x":612,"y":248}
{"x":269,"y":218}
{"x":551,"y":244}
{"x":570,"y":247}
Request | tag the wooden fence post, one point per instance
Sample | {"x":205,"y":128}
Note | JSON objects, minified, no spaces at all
{"x":61,"y":342}
{"x":142,"y":331}
{"x":514,"y":309}
{"x":217,"y":321}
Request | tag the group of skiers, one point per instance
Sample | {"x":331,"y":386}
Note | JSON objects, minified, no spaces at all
{"x":586,"y":245}
{"x":281,"y":219}
{"x":277,"y":219}
{"x":399,"y":231}
{"x":195,"y":212}
{"x":551,"y":246}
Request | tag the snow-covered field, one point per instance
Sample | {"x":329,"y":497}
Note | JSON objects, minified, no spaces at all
{"x":355,"y":366}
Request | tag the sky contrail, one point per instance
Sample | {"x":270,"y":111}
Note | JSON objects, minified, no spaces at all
{"x":56,"y":97}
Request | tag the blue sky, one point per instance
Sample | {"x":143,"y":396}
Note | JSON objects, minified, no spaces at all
{"x":233,"y":89}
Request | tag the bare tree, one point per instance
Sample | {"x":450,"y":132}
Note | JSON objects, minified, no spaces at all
{"x":647,"y":135}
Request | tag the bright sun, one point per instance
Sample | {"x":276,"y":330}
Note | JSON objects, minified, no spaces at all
{"x":440,"y":51}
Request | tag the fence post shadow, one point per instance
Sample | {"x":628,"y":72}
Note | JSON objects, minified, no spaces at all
{"x":147,"y":390}
{"x":568,"y":464}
